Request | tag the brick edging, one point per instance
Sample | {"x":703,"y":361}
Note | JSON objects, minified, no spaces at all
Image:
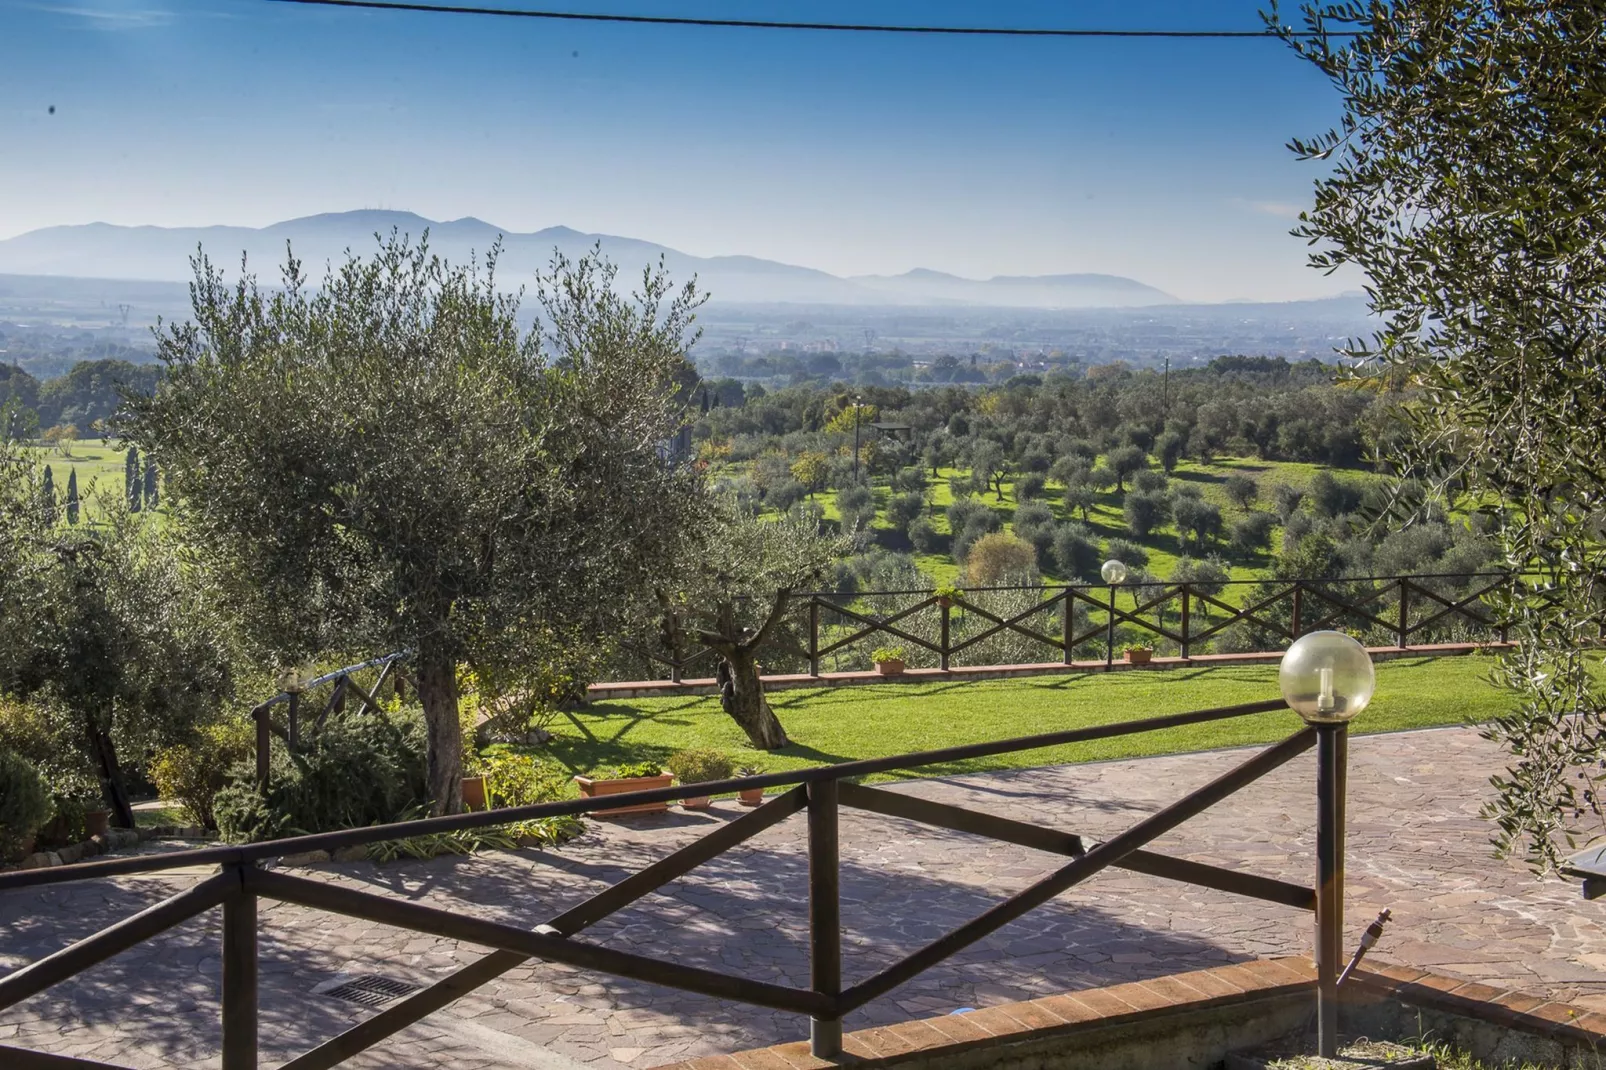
{"x":1035,"y":1019}
{"x":1525,"y":1012}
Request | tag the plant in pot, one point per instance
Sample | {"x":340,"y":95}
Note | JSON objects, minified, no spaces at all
{"x":24,"y":805}
{"x":473,"y":781}
{"x":1139,"y":655}
{"x":750,"y":796}
{"x":639,"y":776}
{"x":698,"y":766}
{"x":946,"y":593}
{"x":888,"y":660}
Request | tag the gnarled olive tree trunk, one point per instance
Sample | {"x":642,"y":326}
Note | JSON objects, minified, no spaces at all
{"x":437,"y":693}
{"x":110,"y":773}
{"x":741,"y":690}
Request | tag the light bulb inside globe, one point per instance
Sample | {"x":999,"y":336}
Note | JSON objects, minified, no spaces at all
{"x":1327,"y":677}
{"x":1113,"y":572}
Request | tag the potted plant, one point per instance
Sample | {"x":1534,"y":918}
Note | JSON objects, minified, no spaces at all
{"x":698,"y":766}
{"x":750,"y":796}
{"x":1139,"y":655}
{"x":640,"y":776}
{"x":946,"y":593}
{"x":473,"y":781}
{"x":97,"y":822}
{"x":888,"y":660}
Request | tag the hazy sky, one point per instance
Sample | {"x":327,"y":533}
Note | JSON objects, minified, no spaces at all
{"x":1162,"y":160}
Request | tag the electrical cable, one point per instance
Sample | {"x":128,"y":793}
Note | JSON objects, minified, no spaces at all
{"x":828,"y":27}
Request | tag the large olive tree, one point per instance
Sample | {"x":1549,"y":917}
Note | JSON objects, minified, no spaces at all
{"x":1464,"y":182}
{"x":388,"y":460}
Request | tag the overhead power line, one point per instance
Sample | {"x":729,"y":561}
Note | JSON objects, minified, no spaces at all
{"x":767,"y":24}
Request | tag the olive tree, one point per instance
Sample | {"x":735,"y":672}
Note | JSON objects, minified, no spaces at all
{"x":1462,"y":183}
{"x":104,"y":632}
{"x":386,"y":460}
{"x":735,"y":586}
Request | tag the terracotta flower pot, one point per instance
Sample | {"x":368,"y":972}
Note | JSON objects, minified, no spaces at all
{"x":473,"y":793}
{"x":1138,"y":655}
{"x":892,"y":667}
{"x":698,"y":802}
{"x":751,"y":796}
{"x":591,"y":789}
{"x":97,"y":822}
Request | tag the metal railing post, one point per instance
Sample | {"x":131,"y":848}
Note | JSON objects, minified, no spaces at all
{"x":825,"y":915}
{"x":264,"y":747}
{"x":1405,"y":620}
{"x":1109,"y":634}
{"x":1184,"y":632}
{"x":293,"y":736}
{"x":240,"y":981}
{"x":1299,"y":604}
{"x":814,"y":635}
{"x":1332,"y":745}
{"x":1068,"y":632}
{"x":947,"y":625}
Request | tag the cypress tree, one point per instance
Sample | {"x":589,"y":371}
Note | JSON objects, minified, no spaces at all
{"x":72,"y":496}
{"x":152,"y":494}
{"x":47,"y":496}
{"x":132,"y":486}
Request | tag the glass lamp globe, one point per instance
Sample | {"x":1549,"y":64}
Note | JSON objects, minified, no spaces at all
{"x":1327,"y":677}
{"x":1113,"y":572}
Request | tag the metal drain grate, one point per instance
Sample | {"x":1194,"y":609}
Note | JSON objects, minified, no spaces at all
{"x":370,"y":990}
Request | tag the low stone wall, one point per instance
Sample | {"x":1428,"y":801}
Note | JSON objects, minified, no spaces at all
{"x":116,"y":839}
{"x":786,"y":681}
{"x":1195,"y":1019}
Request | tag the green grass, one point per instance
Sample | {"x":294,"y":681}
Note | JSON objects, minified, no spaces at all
{"x":839,"y":724}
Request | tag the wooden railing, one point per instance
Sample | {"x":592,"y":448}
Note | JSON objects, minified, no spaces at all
{"x":820,"y":792}
{"x":1064,"y":620}
{"x":345,"y":686}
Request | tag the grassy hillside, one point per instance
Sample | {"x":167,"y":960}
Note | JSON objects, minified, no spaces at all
{"x":1106,"y":520}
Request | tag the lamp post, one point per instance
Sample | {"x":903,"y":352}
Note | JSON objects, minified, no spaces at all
{"x":1114,"y":573}
{"x":1327,"y":678}
{"x":856,"y":401}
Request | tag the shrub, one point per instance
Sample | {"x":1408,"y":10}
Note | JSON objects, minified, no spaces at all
{"x":904,"y":508}
{"x":361,"y":769}
{"x":1144,"y":511}
{"x":782,"y":496}
{"x":1252,"y":532}
{"x":996,"y":555}
{"x":698,"y":765}
{"x":1150,"y":480}
{"x":924,"y":535}
{"x":1029,"y":487}
{"x":1286,"y":499}
{"x":193,"y":773}
{"x":965,"y":510}
{"x":515,"y":779}
{"x":1076,"y":552}
{"x":1242,"y":489}
{"x":24,"y":802}
{"x":631,"y":770}
{"x":1128,"y":553}
{"x":909,"y":480}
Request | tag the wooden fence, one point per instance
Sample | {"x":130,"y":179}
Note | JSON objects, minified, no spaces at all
{"x":241,"y":881}
{"x":1062,"y":620}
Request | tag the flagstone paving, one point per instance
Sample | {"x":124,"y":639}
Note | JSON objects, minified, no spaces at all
{"x":1416,"y":845}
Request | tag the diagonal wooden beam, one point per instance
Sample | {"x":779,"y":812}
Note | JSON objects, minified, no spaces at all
{"x":54,"y":968}
{"x":958,"y":819}
{"x":383,"y":910}
{"x":420,"y":1005}
{"x":1077,"y":870}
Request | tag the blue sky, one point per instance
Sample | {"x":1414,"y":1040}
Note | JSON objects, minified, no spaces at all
{"x":1162,"y":160}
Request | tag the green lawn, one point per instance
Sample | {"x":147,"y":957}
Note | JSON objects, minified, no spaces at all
{"x":838,"y":724}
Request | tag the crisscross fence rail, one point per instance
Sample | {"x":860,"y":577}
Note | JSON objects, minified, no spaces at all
{"x":344,"y":686}
{"x":1075,"y":624}
{"x":241,"y":881}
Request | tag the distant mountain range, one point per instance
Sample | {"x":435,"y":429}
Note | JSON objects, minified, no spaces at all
{"x":106,"y":251}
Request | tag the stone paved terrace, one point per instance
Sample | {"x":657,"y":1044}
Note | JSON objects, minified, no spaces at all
{"x":1416,"y":845}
